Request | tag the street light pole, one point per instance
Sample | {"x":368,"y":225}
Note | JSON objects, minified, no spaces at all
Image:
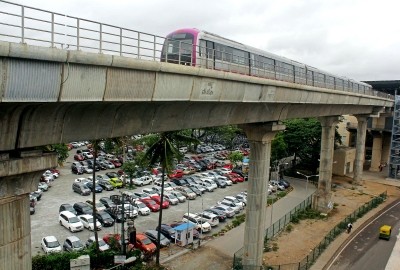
{"x":307,"y":177}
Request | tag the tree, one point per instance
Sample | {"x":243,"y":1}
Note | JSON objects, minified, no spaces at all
{"x":163,"y":151}
{"x":303,"y":140}
{"x":235,"y":157}
{"x":60,"y":149}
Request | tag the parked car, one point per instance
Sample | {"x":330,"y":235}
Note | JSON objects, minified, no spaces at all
{"x":50,"y":244}
{"x":103,"y":246}
{"x":107,"y":202}
{"x":210,"y":218}
{"x":73,"y":243}
{"x":97,"y":188}
{"x":230,"y":204}
{"x":43,"y":186}
{"x":179,"y":196}
{"x":142,"y":209}
{"x":106,"y":185}
{"x":105,"y":219}
{"x":116,"y":214}
{"x":151,"y":204}
{"x":150,"y":192}
{"x":66,"y":207}
{"x":81,"y":189}
{"x":144,"y":244}
{"x":201,"y":224}
{"x":228,"y":211}
{"x":157,"y":199}
{"x":70,"y":221}
{"x":82,"y":208}
{"x":88,"y":222}
{"x":167,"y":231}
{"x":187,"y":192}
{"x":171,"y":198}
{"x":141,"y":181}
{"x":235,"y":201}
{"x":153,"y":236}
{"x":219,"y":213}
{"x":99,"y":206}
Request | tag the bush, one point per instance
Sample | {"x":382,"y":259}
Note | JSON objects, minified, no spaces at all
{"x":289,"y":227}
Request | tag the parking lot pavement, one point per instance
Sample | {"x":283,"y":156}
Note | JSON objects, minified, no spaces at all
{"x":45,"y":221}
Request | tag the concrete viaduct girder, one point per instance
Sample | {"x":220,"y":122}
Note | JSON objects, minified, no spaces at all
{"x":47,"y":94}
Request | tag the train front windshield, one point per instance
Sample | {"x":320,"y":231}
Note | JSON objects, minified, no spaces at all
{"x":178,"y":49}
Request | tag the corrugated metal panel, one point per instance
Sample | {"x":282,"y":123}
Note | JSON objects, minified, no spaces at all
{"x":15,"y":234}
{"x":83,"y":83}
{"x":31,"y":81}
{"x":129,"y":85}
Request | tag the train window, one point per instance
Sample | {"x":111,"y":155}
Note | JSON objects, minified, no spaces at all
{"x":330,"y":82}
{"x":218,"y":51}
{"x":228,"y":53}
{"x":300,"y":75}
{"x":210,"y":49}
{"x":338,"y":84}
{"x":240,"y":57}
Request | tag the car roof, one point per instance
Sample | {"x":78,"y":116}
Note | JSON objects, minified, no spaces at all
{"x":67,"y":213}
{"x":50,"y":238}
{"x":73,"y":238}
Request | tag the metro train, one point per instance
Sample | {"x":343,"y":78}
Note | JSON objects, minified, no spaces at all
{"x":199,"y":48}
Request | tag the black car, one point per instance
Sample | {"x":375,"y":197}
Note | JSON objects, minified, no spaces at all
{"x":220,"y":183}
{"x":105,"y":185}
{"x":77,"y":169}
{"x":107,"y":202}
{"x":179,"y":182}
{"x":284,"y":183}
{"x":82,"y":208}
{"x":153,"y":236}
{"x":115,"y":214}
{"x":105,"y":219}
{"x":167,"y":231}
{"x":67,"y":207}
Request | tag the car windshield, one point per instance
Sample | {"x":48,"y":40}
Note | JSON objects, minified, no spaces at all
{"x":178,"y":194}
{"x":151,"y":202}
{"x":102,"y":243}
{"x":146,"y":241}
{"x":53,"y":244}
{"x":89,"y":220}
{"x":171,"y":196}
{"x":140,"y":205}
{"x":77,"y":244}
{"x":74,"y":220}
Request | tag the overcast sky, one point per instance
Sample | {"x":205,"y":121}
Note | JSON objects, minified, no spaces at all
{"x":359,"y":39}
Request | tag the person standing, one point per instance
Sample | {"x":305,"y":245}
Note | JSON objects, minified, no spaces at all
{"x":349,"y":227}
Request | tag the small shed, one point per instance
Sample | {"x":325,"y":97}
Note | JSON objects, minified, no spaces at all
{"x":184,"y":234}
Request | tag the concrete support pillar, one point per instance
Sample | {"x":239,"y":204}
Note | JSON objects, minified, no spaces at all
{"x":18,"y":177}
{"x":322,"y":200}
{"x":360,"y":148}
{"x":259,"y":137}
{"x":376,"y":159}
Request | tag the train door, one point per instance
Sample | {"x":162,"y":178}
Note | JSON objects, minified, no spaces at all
{"x":207,"y":54}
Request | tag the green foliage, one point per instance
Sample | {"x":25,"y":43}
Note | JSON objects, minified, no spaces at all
{"x":303,"y":138}
{"x":60,"y":149}
{"x":289,"y":227}
{"x":278,"y":147}
{"x":281,"y":194}
{"x":307,"y":213}
{"x":235,"y":157}
{"x":239,"y":220}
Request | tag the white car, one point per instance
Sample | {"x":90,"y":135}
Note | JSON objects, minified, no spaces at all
{"x":230,"y":204}
{"x":70,"y":221}
{"x":201,"y":223}
{"x":179,"y":196}
{"x":207,"y":186}
{"x":210,"y":217}
{"x":142,"y":209}
{"x":87,"y":221}
{"x":235,"y":201}
{"x":171,"y":198}
{"x":43,"y":186}
{"x":50,"y":244}
{"x":144,"y":180}
{"x":149,"y":191}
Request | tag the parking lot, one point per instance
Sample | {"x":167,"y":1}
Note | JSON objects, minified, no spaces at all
{"x":45,"y":220}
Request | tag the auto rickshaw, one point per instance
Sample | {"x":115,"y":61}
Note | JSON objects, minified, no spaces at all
{"x":385,"y":231}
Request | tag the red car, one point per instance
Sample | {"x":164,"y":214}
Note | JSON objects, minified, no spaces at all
{"x":116,"y":163}
{"x":157,"y":199}
{"x":151,"y":204}
{"x":238,"y":177}
{"x":176,"y":174}
{"x":144,"y":244}
{"x":79,"y":157}
{"x":232,"y":177}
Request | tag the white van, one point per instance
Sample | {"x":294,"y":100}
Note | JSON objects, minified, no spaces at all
{"x":70,"y":221}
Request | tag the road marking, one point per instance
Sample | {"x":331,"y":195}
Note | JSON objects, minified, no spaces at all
{"x":358,"y":234}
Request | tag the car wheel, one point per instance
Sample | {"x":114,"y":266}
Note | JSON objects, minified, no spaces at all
{"x":60,"y":223}
{"x":141,"y":184}
{"x":70,"y":229}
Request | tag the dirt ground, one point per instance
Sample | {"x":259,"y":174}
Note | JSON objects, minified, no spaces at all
{"x":295,"y":245}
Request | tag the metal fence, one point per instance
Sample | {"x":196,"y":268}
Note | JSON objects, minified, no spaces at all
{"x":309,"y":260}
{"x":273,"y":230}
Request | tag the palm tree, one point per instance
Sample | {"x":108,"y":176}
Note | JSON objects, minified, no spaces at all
{"x":163,"y":150}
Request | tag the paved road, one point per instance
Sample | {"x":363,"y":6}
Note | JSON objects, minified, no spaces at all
{"x":365,"y":250}
{"x":233,"y":240}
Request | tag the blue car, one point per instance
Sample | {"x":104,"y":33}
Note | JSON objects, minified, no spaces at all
{"x":97,"y":188}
